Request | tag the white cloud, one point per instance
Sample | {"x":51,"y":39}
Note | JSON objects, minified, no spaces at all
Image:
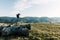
{"x":49,"y":7}
{"x":39,"y":1}
{"x":23,"y":4}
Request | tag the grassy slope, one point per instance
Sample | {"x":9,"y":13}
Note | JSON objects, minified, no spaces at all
{"x":46,"y":31}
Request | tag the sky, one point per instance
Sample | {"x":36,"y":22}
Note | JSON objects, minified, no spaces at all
{"x":30,"y":8}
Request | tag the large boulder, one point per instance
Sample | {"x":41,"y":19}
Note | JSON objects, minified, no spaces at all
{"x":15,"y":31}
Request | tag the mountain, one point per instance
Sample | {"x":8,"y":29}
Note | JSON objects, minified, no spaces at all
{"x":29,"y":19}
{"x":55,"y":19}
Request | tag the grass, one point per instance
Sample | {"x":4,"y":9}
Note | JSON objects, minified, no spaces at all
{"x":43,"y":31}
{"x":46,"y":31}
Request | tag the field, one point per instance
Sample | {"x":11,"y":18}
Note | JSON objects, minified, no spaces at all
{"x":42,"y":31}
{"x":46,"y":31}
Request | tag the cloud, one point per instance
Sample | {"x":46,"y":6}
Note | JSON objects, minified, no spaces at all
{"x":24,"y":4}
{"x":39,"y":1}
{"x":49,"y":7}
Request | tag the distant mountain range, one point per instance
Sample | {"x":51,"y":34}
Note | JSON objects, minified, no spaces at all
{"x":29,"y":19}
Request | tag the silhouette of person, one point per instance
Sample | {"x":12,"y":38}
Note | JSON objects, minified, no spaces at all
{"x":18,"y":15}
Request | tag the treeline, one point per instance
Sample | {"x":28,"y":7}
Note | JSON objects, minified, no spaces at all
{"x":28,"y":19}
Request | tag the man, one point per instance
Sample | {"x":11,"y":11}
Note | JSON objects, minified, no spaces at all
{"x":18,"y":15}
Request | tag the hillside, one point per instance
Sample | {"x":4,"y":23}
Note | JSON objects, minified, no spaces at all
{"x":29,"y":19}
{"x":42,"y":31}
{"x":46,"y":31}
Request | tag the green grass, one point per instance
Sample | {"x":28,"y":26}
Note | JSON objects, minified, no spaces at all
{"x":46,"y":31}
{"x":43,"y":31}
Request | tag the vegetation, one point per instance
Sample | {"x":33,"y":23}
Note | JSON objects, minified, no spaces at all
{"x":43,"y":31}
{"x":29,"y":19}
{"x":43,"y":28}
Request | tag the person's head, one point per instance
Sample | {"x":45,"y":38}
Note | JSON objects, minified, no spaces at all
{"x":18,"y":14}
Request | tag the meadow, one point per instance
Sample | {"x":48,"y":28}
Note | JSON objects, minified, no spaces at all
{"x":46,"y":31}
{"x":42,"y":31}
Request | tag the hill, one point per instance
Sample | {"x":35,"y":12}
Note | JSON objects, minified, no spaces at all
{"x":29,"y":19}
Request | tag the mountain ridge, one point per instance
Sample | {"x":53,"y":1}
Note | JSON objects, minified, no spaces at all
{"x":30,"y":19}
